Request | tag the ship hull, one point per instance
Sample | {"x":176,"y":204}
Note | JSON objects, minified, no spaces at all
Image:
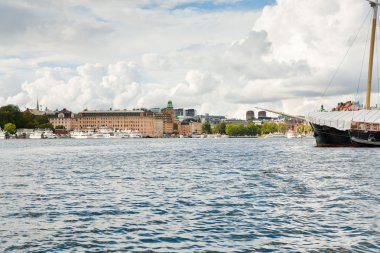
{"x":326,"y":136}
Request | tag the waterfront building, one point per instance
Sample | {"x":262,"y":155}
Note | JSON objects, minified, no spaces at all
{"x":167,"y":116}
{"x":153,"y":123}
{"x":62,"y":118}
{"x":142,"y":121}
{"x":189,"y":127}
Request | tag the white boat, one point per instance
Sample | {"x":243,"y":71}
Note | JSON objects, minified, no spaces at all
{"x":135,"y":134}
{"x":100,"y":135}
{"x":81,"y":135}
{"x":36,"y":135}
{"x":119,"y":135}
{"x":276,"y":135}
{"x":49,"y":135}
{"x":2,"y":135}
{"x":290,"y":135}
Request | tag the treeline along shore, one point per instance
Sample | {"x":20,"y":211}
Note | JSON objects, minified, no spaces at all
{"x":12,"y":118}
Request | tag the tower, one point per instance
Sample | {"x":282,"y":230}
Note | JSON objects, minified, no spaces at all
{"x":38,"y":105}
{"x":169,"y":105}
{"x":250,"y":115}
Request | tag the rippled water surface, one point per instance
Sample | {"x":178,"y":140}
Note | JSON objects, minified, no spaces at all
{"x":188,"y":195}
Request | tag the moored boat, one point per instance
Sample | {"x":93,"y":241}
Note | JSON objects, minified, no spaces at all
{"x":275,"y":135}
{"x":49,"y":135}
{"x":346,"y":126}
{"x":36,"y":135}
{"x":290,"y":135}
{"x":81,"y":135}
{"x":3,"y":135}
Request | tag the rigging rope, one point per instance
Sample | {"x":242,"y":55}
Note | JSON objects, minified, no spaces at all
{"x":377,"y":61}
{"x":348,"y":50}
{"x":361,"y":69}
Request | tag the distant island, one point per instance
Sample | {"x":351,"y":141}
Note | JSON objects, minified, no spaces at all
{"x":154,"y":122}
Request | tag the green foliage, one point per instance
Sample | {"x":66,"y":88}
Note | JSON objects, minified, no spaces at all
{"x":12,"y":114}
{"x":304,"y":129}
{"x":252,"y":129}
{"x":269,"y":127}
{"x":206,"y":128}
{"x":45,"y":126}
{"x":10,"y":128}
{"x":60,"y":127}
{"x":222,"y":127}
{"x":219,"y":128}
{"x":236,"y":130}
{"x":281,"y":128}
{"x":215,"y":129}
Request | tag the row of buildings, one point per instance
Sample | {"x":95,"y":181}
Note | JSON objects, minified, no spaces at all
{"x":152,"y":123}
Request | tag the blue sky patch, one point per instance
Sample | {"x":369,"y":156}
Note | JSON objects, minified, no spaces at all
{"x":54,"y":64}
{"x":212,"y":6}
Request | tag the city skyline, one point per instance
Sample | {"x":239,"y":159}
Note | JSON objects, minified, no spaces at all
{"x":220,"y":57}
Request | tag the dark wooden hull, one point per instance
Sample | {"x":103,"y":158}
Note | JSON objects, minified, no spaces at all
{"x":326,"y":136}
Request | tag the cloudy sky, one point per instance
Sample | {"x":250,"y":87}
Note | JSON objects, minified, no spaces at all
{"x":217,"y":56}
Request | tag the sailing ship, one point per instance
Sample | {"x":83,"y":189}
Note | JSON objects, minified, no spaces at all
{"x":351,"y":128}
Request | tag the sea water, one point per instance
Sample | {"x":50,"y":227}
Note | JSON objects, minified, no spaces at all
{"x":187,"y":195}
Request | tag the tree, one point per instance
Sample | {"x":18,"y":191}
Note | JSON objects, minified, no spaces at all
{"x":281,"y":127}
{"x":45,"y":126}
{"x":222,"y":127}
{"x":28,"y":120}
{"x":10,"y":114}
{"x":268,"y":127}
{"x":206,"y":127}
{"x":251,"y":129}
{"x":215,"y":129}
{"x":240,"y":129}
{"x":229,"y":129}
{"x":60,"y":127}
{"x":10,"y":128}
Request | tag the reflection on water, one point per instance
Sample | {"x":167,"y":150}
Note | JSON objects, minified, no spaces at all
{"x":187,"y":195}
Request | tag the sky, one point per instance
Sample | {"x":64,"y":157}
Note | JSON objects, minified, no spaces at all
{"x":222,"y":57}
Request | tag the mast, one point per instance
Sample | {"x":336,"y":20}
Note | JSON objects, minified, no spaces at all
{"x":374,"y":4}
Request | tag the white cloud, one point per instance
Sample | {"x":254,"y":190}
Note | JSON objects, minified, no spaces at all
{"x":223,"y":62}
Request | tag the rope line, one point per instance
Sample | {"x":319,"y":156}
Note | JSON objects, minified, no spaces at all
{"x":377,"y":61}
{"x":348,"y":50}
